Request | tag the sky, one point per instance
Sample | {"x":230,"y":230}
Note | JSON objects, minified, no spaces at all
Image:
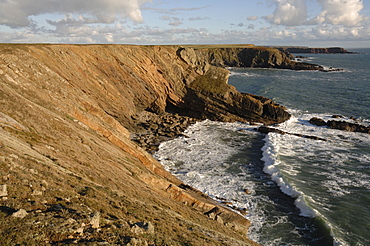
{"x":314,"y":23}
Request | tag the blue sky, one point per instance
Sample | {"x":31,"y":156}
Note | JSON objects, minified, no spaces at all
{"x":316,"y":23}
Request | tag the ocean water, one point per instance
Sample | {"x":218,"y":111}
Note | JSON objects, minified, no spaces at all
{"x":297,"y":191}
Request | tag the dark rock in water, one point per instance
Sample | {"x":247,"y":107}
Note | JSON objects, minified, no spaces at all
{"x":340,"y":125}
{"x":347,"y":126}
{"x":317,"y":121}
{"x":337,"y":116}
{"x":265,"y":129}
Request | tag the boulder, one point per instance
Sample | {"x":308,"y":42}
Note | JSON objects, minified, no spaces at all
{"x":317,"y":121}
{"x":95,"y":220}
{"x":142,"y":227}
{"x":21,"y":213}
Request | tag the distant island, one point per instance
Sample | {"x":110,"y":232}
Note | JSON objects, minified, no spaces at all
{"x":311,"y":50}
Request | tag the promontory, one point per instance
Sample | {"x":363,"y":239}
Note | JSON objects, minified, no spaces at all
{"x":75,"y":167}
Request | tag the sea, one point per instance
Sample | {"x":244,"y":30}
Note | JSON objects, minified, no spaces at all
{"x":297,"y":191}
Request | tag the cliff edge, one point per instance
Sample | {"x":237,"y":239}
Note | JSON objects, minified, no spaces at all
{"x":70,"y":172}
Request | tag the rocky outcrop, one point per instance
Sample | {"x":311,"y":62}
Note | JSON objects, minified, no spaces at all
{"x":258,"y":57}
{"x":341,"y":125}
{"x":208,"y":96}
{"x":330,"y":50}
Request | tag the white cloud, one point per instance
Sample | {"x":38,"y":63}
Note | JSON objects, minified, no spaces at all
{"x":18,"y":13}
{"x":172,"y":21}
{"x":198,"y":18}
{"x":335,"y":12}
{"x":288,"y":12}
{"x":96,"y":21}
{"x":340,"y":12}
{"x":252,"y":18}
{"x":71,"y":20}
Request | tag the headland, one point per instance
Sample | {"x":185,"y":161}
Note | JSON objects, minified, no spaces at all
{"x":76,"y":125}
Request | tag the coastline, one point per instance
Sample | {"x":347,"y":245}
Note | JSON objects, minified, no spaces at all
{"x":72,"y":111}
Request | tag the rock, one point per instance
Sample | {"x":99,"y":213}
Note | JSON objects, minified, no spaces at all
{"x":80,"y":230}
{"x":330,"y":50}
{"x":8,"y":121}
{"x":142,"y":227}
{"x":3,"y":190}
{"x":262,"y":57}
{"x":21,"y":213}
{"x":337,"y":116}
{"x":219,"y":219}
{"x":265,"y":129}
{"x":189,"y":55}
{"x":137,"y":242}
{"x":95,"y":220}
{"x":347,"y":126}
{"x":55,"y":208}
{"x":213,"y":213}
{"x":136,"y":229}
{"x":37,"y":193}
{"x":341,"y":125}
{"x":317,"y":121}
{"x":243,"y":211}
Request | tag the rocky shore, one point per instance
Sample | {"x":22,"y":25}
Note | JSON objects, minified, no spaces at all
{"x":76,"y":122}
{"x":154,"y":129}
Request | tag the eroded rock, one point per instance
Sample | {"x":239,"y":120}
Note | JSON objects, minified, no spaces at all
{"x":21,"y":213}
{"x":3,"y":190}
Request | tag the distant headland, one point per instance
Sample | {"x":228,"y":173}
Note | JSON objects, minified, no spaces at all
{"x":312,"y":50}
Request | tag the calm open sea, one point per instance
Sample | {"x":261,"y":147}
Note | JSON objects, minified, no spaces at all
{"x":299,"y":191}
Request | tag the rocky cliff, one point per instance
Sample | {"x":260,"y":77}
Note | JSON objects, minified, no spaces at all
{"x":70,"y":172}
{"x":258,"y":57}
{"x":329,"y":50}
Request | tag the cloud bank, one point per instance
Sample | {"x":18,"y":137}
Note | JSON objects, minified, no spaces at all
{"x":334,"y":12}
{"x":340,"y":12}
{"x":288,"y":12}
{"x":19,"y":13}
{"x":105,"y":21}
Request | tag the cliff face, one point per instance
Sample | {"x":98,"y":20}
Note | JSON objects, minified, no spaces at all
{"x":67,"y":114}
{"x":258,"y":57}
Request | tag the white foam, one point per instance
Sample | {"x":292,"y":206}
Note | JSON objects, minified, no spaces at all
{"x":334,"y":166}
{"x":203,"y":160}
{"x":271,"y":159}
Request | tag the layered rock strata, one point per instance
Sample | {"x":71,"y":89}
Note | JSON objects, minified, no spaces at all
{"x":68,"y":114}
